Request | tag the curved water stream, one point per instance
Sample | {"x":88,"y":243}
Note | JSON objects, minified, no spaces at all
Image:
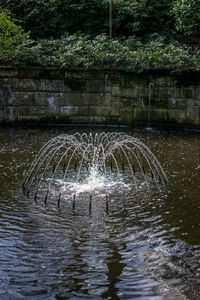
{"x":148,"y":248}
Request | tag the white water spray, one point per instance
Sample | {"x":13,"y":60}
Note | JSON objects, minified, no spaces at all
{"x":88,"y":163}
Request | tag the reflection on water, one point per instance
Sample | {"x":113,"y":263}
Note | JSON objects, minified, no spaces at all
{"x":142,"y":249}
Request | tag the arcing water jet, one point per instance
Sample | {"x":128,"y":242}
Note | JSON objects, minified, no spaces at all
{"x":78,"y":159}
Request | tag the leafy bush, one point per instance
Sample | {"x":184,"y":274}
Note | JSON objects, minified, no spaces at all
{"x":141,"y":17}
{"x":12,"y":37}
{"x":187,"y":16}
{"x":72,"y":34}
{"x":101,"y":52}
{"x":11,"y":34}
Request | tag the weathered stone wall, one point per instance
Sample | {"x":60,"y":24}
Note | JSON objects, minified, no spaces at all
{"x":104,"y":97}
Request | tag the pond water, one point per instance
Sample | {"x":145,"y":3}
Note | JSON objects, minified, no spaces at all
{"x":145,"y":249}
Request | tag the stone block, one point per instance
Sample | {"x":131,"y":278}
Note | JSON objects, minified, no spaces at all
{"x":74,"y":110}
{"x":176,"y":103}
{"x":32,"y":111}
{"x":94,"y":74}
{"x":176,"y":116}
{"x":155,"y":103}
{"x":115,"y":109}
{"x":30,"y":73}
{"x":49,"y":85}
{"x":69,"y":110}
{"x":112,"y":72}
{"x":164,"y":81}
{"x":130,"y":81}
{"x":116,"y":91}
{"x":69,"y":99}
{"x":78,"y":74}
{"x":96,"y":99}
{"x":1,"y":98}
{"x":188,"y":93}
{"x":6,"y":81}
{"x":193,"y":102}
{"x":112,"y":121}
{"x":25,"y":85}
{"x":81,"y":120}
{"x":32,"y":119}
{"x":140,"y":115}
{"x":68,"y":75}
{"x":100,"y":120}
{"x":100,"y":110}
{"x":109,"y":99}
{"x":52,"y":94}
{"x":129,"y":102}
{"x":53,"y":107}
{"x":112,"y":79}
{"x":74,"y":85}
{"x":1,"y":114}
{"x":8,"y":72}
{"x":164,"y":92}
{"x":108,"y":88}
{"x":197,"y":92}
{"x":95,"y":86}
{"x":193,"y":115}
{"x":40,"y":98}
{"x":24,"y":98}
{"x":126,"y":117}
{"x":7,"y":95}
{"x":128,"y":92}
{"x":10,"y":113}
{"x":177,"y":92}
{"x":158,"y":115}
{"x":52,"y":73}
{"x":135,"y":92}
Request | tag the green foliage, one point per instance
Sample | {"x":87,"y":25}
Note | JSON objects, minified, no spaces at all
{"x":187,"y":16}
{"x":11,"y":34}
{"x":53,"y":18}
{"x":101,"y":52}
{"x":58,"y":30}
{"x":12,"y":37}
{"x":141,"y":17}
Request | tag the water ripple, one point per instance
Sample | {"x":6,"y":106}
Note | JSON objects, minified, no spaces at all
{"x":147,"y":248}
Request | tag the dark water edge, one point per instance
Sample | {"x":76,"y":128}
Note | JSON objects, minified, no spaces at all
{"x":149,"y":250}
{"x":143,"y":126}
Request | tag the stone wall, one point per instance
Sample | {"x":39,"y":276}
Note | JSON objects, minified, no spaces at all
{"x":35,"y":95}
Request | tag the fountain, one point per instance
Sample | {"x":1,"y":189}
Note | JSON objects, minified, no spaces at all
{"x":135,"y":243}
{"x":69,"y":166}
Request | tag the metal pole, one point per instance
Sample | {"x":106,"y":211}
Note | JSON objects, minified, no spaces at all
{"x":110,"y":19}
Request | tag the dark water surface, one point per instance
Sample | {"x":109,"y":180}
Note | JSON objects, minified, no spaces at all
{"x":149,"y":250}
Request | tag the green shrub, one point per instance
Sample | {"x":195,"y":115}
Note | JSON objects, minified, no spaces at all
{"x":141,"y":17}
{"x":100,"y":52}
{"x":187,"y":16}
{"x":12,"y":37}
{"x":11,"y":34}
